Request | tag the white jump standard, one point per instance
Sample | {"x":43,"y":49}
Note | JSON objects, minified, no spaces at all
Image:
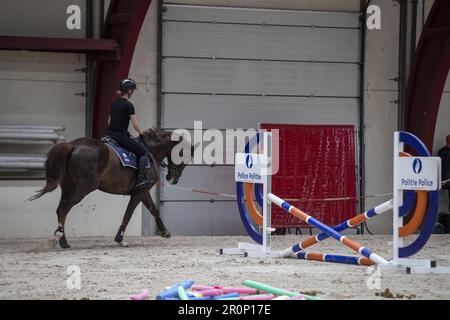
{"x":418,"y":177}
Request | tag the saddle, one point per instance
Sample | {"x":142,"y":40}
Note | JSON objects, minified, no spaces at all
{"x":127,"y":158}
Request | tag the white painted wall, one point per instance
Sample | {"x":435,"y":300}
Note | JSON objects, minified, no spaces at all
{"x":380,"y":109}
{"x":143,"y":69}
{"x":40,"y":89}
{"x":99,"y":214}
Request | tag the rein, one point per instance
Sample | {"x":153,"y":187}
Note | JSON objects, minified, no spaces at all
{"x":161,"y":163}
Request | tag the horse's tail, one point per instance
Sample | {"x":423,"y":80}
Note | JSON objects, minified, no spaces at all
{"x":55,"y":168}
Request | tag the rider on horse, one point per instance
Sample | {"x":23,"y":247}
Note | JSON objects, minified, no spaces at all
{"x":122,"y":111}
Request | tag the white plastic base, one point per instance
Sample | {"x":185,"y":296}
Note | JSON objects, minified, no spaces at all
{"x":410,"y":266}
{"x":250,"y":250}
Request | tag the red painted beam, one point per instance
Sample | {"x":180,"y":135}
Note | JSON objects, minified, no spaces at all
{"x":123,"y":23}
{"x":59,"y":44}
{"x":429,"y":73}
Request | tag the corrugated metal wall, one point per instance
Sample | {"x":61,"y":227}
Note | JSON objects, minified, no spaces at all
{"x":234,"y":67}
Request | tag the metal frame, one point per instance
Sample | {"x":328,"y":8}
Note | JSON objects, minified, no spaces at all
{"x":429,"y":73}
{"x":361,"y":110}
{"x":70,"y":45}
{"x":123,"y":23}
{"x":89,"y":68}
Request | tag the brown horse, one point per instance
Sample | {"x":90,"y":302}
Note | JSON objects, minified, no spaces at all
{"x":84,"y":165}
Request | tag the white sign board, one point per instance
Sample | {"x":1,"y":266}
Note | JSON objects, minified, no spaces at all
{"x":418,"y":173}
{"x":249,"y":167}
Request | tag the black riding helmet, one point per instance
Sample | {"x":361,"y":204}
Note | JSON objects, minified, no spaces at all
{"x":127,"y":84}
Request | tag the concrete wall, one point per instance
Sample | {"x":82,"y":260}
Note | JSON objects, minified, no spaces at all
{"x":143,"y":70}
{"x":40,"y":88}
{"x":380,"y":108}
{"x":39,"y":18}
{"x":99,"y":214}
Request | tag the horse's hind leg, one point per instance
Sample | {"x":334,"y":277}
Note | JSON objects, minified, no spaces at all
{"x":59,"y":234}
{"x":148,"y":202}
{"x":70,"y":196}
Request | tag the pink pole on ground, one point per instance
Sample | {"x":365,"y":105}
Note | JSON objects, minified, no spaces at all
{"x":211,"y":292}
{"x":200,"y":288}
{"x":259,"y":297}
{"x":141,"y":296}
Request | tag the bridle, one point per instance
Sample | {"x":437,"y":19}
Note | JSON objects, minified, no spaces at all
{"x":161,"y":163}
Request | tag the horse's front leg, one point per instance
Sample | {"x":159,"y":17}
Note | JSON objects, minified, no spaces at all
{"x":148,"y":202}
{"x":134,"y":201}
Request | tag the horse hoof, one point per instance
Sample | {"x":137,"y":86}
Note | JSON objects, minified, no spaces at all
{"x":52,"y":242}
{"x":165,"y":234}
{"x":63,"y":244}
{"x":123,"y":244}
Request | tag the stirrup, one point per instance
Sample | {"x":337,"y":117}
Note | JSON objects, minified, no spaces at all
{"x":142,"y":183}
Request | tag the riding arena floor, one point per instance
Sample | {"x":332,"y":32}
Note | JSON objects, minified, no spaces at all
{"x":30,"y":269}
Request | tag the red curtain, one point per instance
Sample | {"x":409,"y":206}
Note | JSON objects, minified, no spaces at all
{"x":316,"y":162}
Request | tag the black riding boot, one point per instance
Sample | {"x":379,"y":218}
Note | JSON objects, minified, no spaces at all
{"x":142,"y":181}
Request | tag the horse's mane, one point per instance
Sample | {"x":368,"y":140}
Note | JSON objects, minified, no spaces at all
{"x":157,"y":134}
{"x":156,"y":137}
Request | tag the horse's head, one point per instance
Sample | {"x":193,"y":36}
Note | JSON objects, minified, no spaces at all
{"x":178,"y":151}
{"x":178,"y":160}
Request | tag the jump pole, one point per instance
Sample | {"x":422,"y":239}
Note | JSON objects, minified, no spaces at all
{"x":326,"y":229}
{"x":350,"y":223}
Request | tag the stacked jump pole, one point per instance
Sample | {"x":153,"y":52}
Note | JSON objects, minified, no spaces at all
{"x":419,"y":201}
{"x":297,"y":250}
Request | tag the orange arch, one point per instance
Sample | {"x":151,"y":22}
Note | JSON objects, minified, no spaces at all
{"x":251,"y":206}
{"x":419,"y":211}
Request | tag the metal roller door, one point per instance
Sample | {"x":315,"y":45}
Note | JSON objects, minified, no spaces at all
{"x":234,"y":67}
